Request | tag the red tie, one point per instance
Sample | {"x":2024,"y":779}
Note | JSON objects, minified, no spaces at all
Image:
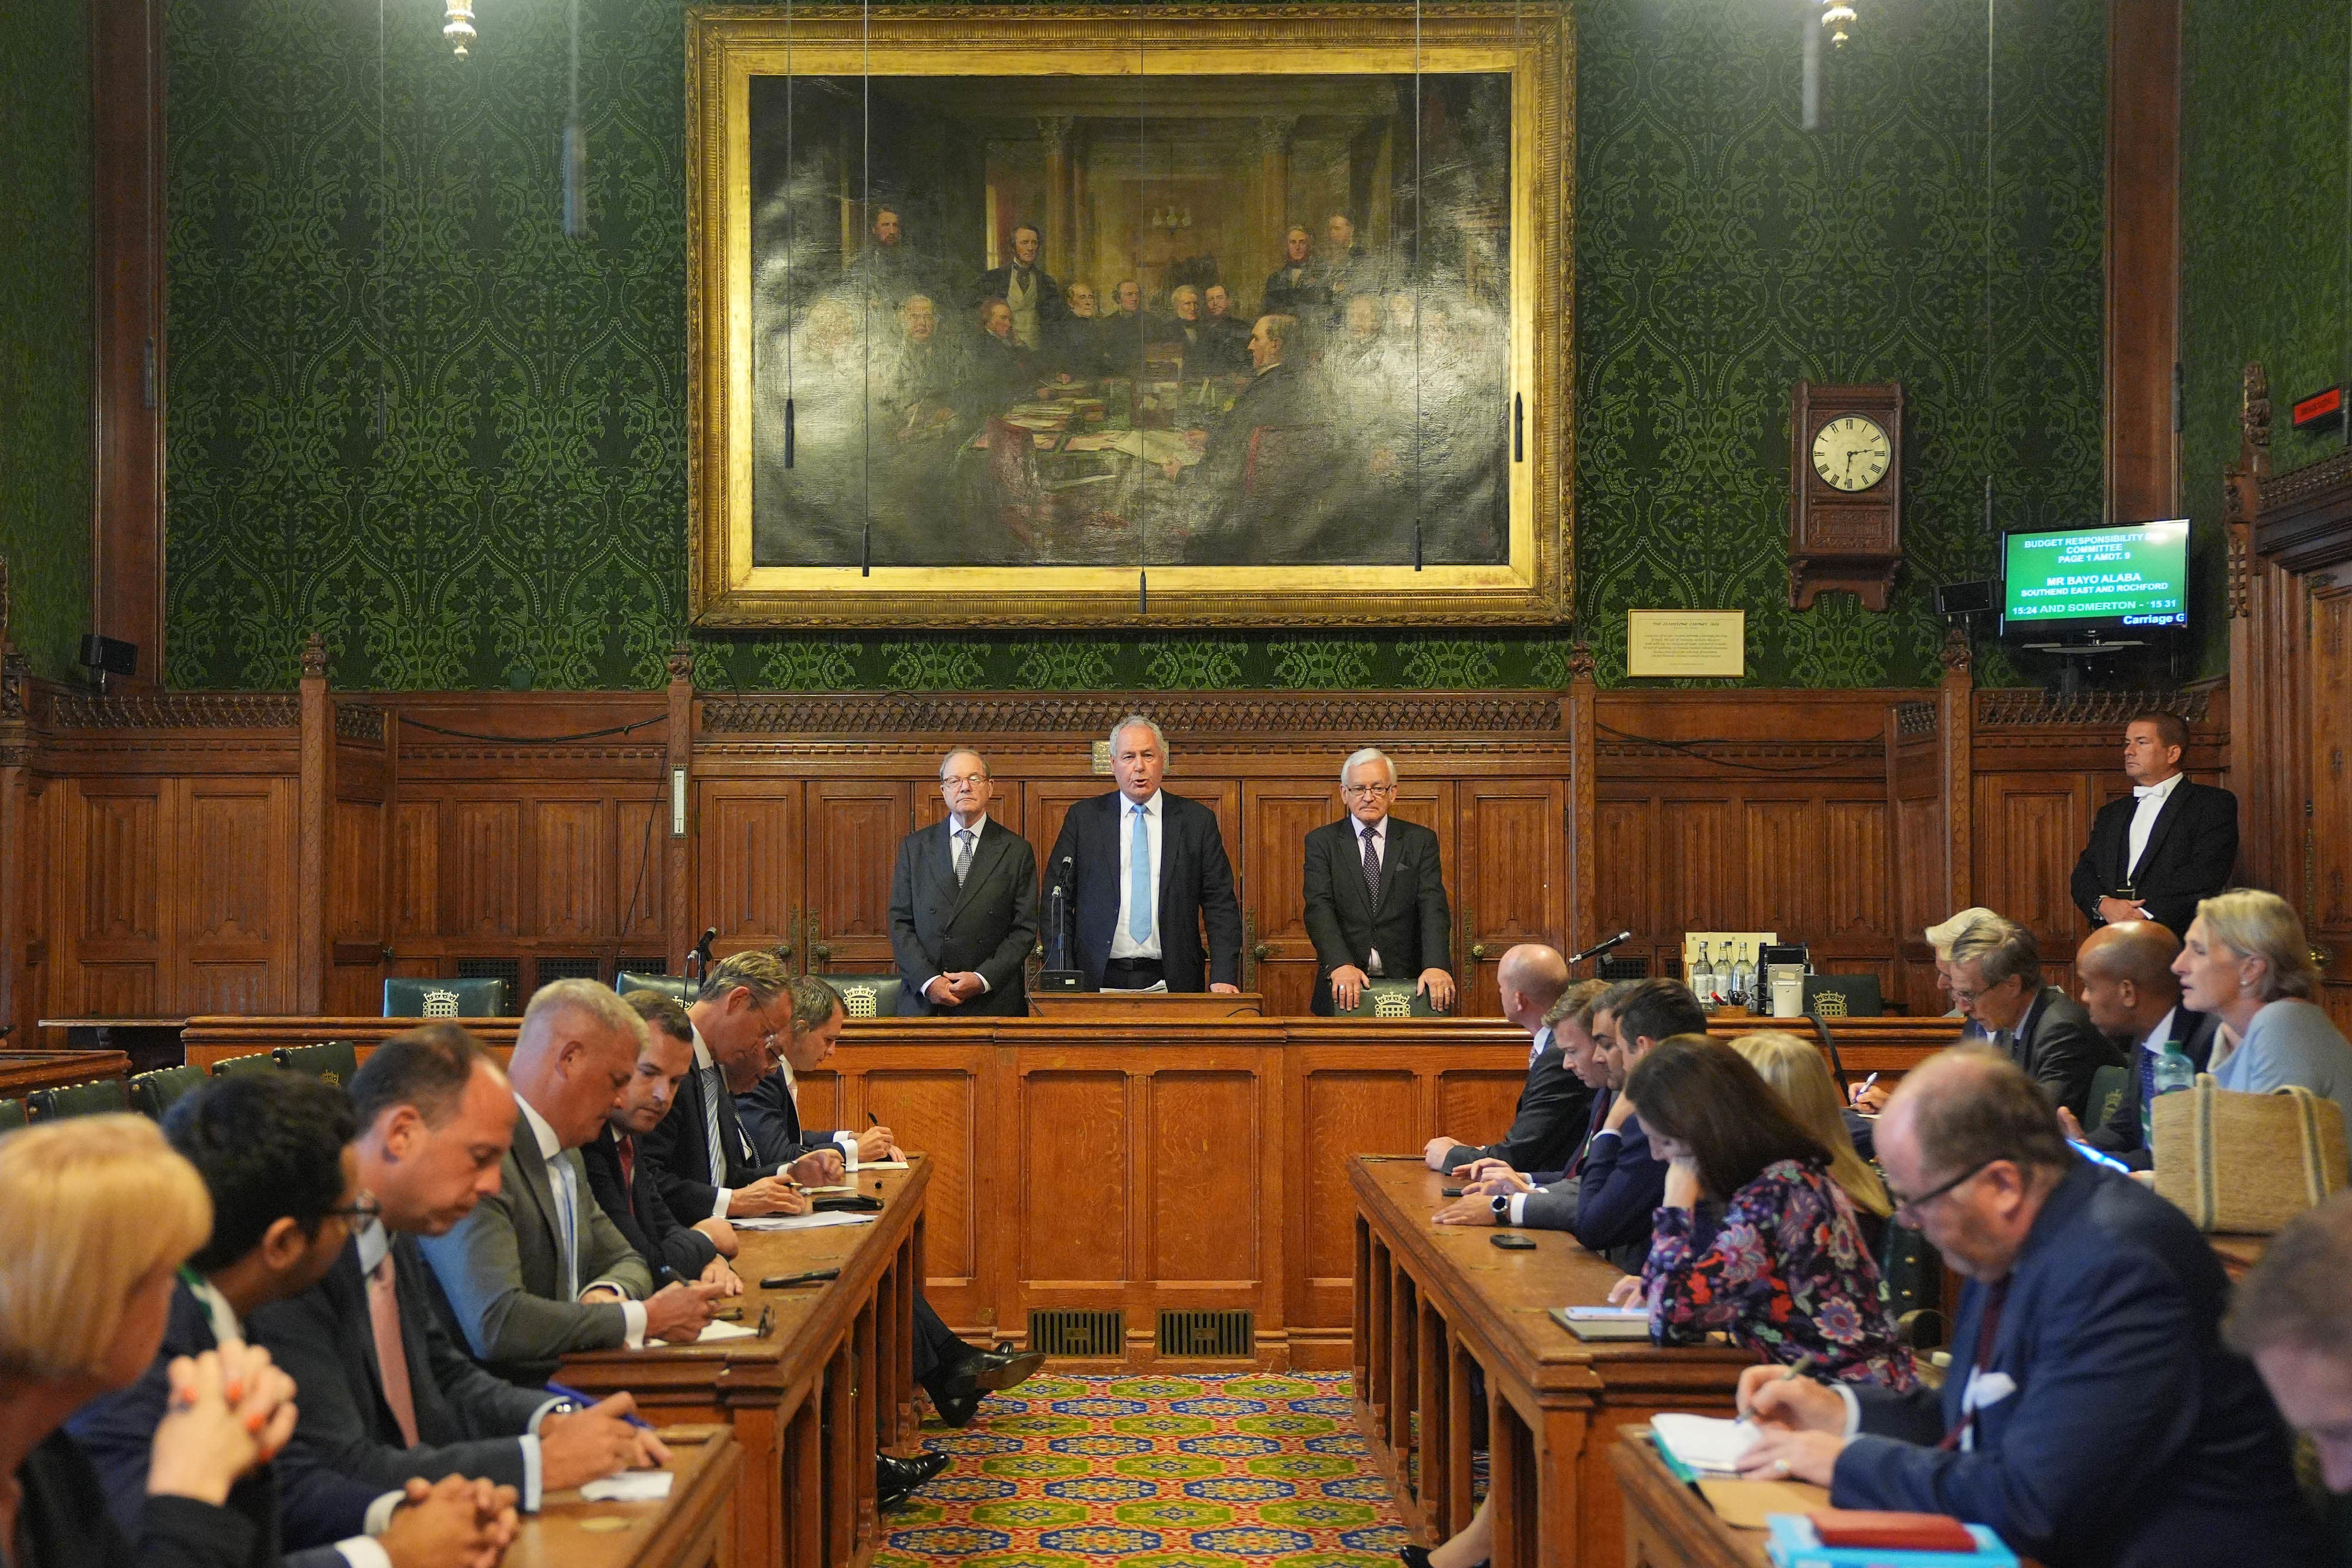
{"x":629,"y":1166}
{"x":1989,"y":1326}
{"x":391,"y":1349}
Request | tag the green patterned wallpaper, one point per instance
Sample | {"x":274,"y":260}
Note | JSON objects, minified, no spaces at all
{"x":45,"y":316}
{"x":2266,"y":225}
{"x":522,"y":515}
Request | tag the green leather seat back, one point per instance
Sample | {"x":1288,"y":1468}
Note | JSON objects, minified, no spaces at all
{"x":93,"y":1098}
{"x":332,"y":1060}
{"x":12,"y":1115}
{"x":259,"y":1062}
{"x":867,"y":996}
{"x":405,"y":997}
{"x":672,"y":986}
{"x":151,"y":1093}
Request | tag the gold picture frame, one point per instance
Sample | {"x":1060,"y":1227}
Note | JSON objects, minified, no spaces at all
{"x":1420,"y":472}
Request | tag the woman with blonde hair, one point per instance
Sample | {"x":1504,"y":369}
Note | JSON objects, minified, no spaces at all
{"x":2246,"y":961}
{"x":1794,"y":1068}
{"x":101,"y":1214}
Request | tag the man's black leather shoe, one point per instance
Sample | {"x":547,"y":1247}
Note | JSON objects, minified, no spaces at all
{"x":894,"y":1478}
{"x":998,"y":1370}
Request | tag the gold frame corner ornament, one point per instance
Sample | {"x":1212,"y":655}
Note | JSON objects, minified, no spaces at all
{"x":726,"y":46}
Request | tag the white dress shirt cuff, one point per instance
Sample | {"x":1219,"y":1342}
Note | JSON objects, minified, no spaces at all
{"x":984,"y":987}
{"x":531,"y":1474}
{"x":378,"y":1518}
{"x":1852,"y":1410}
{"x":632,"y":1321}
{"x":541,"y":1414}
{"x":847,"y":1143}
{"x":718,"y":1210}
{"x":1518,"y":1209}
{"x":362,"y":1553}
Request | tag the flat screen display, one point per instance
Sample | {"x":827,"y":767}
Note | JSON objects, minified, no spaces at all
{"x":2083,"y":580}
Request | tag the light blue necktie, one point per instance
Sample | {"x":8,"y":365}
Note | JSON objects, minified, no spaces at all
{"x":567,"y":1216}
{"x":1138,"y":881}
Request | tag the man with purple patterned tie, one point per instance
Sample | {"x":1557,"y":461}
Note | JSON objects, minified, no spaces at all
{"x":1376,"y":895}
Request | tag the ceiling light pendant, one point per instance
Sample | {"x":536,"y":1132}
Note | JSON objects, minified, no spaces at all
{"x":459,"y":29}
{"x":1835,"y":15}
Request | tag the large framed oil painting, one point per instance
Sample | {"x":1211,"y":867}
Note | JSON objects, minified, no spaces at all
{"x":1091,"y":316}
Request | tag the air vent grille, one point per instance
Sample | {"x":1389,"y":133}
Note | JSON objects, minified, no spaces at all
{"x":1216,"y":1335}
{"x":1072,"y":1331}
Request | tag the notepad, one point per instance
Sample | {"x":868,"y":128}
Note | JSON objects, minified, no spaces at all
{"x":715,"y":1329}
{"x":1607,"y":1314}
{"x":801,"y":1221}
{"x":1613,"y":1327}
{"x":629,"y":1485}
{"x":1705,"y":1445}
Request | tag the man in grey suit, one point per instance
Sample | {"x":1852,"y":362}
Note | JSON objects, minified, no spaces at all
{"x":963,"y":905}
{"x":385,"y":1395}
{"x":1997,"y":981}
{"x":537,"y":1270}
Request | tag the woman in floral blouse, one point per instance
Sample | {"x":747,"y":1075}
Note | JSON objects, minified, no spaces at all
{"x":1755,"y":1238}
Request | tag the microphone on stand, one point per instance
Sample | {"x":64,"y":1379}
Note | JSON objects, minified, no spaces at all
{"x":1060,"y":976}
{"x":1603,"y":946}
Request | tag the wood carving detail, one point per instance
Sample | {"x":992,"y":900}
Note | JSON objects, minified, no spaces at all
{"x":176,"y":710}
{"x":1188,"y":714}
{"x":2109,"y":710}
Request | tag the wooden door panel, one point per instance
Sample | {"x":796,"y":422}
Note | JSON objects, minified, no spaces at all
{"x":571,"y":869}
{"x":639,"y":867}
{"x":1477,"y":1105}
{"x":1279,"y":815}
{"x":230,"y":932}
{"x":2030,"y":829}
{"x":1624,"y":868}
{"x":747,"y":849}
{"x":416,"y":869}
{"x":2330,"y":837}
{"x":116,"y":850}
{"x":1205,"y":1129}
{"x":1701,"y":881}
{"x":1077,"y":1180}
{"x":1785,"y":866}
{"x":483,"y":870}
{"x":1514,"y":885}
{"x":1347,"y":1113}
{"x":1856,"y":882}
{"x":855,"y":826}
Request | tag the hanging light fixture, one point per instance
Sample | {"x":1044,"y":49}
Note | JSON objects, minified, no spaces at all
{"x":1835,"y":15}
{"x":459,"y":27}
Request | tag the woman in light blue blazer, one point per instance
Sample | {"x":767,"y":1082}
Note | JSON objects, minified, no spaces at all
{"x":2247,"y":962}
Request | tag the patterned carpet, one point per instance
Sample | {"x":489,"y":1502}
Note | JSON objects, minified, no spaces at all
{"x":1154,"y":1472}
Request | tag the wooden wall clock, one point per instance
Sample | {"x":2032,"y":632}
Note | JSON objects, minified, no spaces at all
{"x":1845,"y":491}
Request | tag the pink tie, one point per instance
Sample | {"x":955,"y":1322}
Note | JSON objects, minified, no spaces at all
{"x":390,"y":1355}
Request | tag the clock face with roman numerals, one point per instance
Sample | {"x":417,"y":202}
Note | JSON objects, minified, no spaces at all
{"x":1851,"y":453}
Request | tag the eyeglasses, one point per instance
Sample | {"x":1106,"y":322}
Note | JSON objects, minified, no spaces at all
{"x":1367,"y":788}
{"x":965,"y":780}
{"x":357,"y":1212}
{"x":1912,"y":1206}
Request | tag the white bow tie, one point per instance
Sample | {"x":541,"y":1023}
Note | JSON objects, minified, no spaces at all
{"x":2142,"y":791}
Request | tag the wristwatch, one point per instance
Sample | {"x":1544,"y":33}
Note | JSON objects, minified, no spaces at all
{"x":1502,"y":1208}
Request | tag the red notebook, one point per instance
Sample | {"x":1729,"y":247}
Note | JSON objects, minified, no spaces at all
{"x":1892,"y":1532}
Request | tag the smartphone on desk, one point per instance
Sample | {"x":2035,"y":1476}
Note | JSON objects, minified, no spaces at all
{"x":1511,"y":1243}
{"x":1449,"y":1192}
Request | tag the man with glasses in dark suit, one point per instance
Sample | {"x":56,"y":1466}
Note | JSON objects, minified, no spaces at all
{"x":963,"y":905}
{"x":1376,"y":895}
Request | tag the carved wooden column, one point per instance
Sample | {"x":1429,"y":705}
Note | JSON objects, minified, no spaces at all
{"x":2264,"y":696}
{"x":1060,"y":250}
{"x":1956,"y":720}
{"x":678,"y":779}
{"x":316,"y":807}
{"x":1583,"y":812}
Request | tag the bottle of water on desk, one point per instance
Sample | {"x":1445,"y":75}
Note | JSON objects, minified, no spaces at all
{"x":2172,"y":1071}
{"x":1743,"y":978}
{"x":1702,"y":979}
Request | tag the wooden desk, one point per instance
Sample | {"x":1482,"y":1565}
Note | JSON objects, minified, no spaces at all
{"x":149,"y":1043}
{"x":691,"y":1528}
{"x":1143,"y":1007}
{"x":1668,"y":1524}
{"x":1209,"y":1159}
{"x":23,"y":1071}
{"x":810,"y":1404}
{"x":1437,"y":1305}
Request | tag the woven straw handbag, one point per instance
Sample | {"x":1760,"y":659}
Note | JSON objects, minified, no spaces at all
{"x":2247,"y":1164}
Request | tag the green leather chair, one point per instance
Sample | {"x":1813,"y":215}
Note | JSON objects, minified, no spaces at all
{"x":12,"y":1115}
{"x":333,"y":1060}
{"x":259,"y":1062}
{"x":1392,"y":999}
{"x":97,"y":1098}
{"x":407,"y":998}
{"x":2108,"y":1086}
{"x":151,"y":1093}
{"x":867,"y":996}
{"x":672,"y":986}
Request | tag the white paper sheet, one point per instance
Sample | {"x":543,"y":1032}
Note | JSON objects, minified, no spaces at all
{"x":1707,"y":1444}
{"x":629,"y":1485}
{"x":800,"y":1221}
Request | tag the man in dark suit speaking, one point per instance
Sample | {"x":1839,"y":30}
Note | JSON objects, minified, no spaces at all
{"x":1375,"y":895}
{"x":963,"y":905}
{"x":2155,"y":852}
{"x":1144,"y":870}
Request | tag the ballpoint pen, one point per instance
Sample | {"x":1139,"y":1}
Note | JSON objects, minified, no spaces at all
{"x":585,"y":1400}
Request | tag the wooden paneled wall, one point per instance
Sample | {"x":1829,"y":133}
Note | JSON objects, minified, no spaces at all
{"x":287,"y":851}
